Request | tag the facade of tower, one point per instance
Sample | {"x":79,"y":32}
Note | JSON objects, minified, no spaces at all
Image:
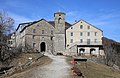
{"x":59,"y":40}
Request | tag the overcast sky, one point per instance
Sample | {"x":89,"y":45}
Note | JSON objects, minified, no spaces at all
{"x":104,"y":14}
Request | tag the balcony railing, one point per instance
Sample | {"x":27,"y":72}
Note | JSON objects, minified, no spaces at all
{"x":85,"y":43}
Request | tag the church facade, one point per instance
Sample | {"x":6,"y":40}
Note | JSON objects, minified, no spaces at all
{"x":58,"y":36}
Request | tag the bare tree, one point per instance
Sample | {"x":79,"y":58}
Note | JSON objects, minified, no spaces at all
{"x":6,"y":25}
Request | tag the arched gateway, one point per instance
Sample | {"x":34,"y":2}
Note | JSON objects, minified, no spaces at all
{"x":42,"y":47}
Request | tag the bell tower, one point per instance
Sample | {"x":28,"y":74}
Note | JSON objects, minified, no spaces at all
{"x":59,"y":40}
{"x":59,"y":22}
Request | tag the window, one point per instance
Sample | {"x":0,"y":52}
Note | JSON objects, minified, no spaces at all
{"x":52,"y":32}
{"x":71,"y":27}
{"x":34,"y":44}
{"x":37,"y":24}
{"x":95,"y":41}
{"x":71,"y":41}
{"x":33,"y":37}
{"x":81,"y":26}
{"x":71,"y":33}
{"x":42,"y":31}
{"x":88,"y":41}
{"x":81,"y":33}
{"x":95,"y":33}
{"x":88,"y":27}
{"x":10,"y":42}
{"x":59,"y":20}
{"x":51,"y":38}
{"x":88,"y":34}
{"x":81,"y":40}
{"x":33,"y":30}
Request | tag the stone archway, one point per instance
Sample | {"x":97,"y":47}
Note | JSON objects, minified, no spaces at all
{"x":92,"y":51}
{"x":81,"y":51}
{"x":43,"y":47}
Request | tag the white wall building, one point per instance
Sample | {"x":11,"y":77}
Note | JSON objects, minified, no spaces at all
{"x":84,"y":38}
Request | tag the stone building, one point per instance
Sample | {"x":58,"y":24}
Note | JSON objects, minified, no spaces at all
{"x":42,"y":35}
{"x":58,"y":36}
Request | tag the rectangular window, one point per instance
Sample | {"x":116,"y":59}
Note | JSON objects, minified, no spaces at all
{"x":95,"y":33}
{"x":51,"y":38}
{"x":95,"y":41}
{"x":88,"y":33}
{"x":33,"y":30}
{"x":88,"y":27}
{"x":11,"y":42}
{"x":34,"y":44}
{"x":71,"y":33}
{"x":42,"y":31}
{"x":81,"y":26}
{"x":81,"y":40}
{"x":88,"y":41}
{"x":33,"y":37}
{"x":81,"y":33}
{"x":8,"y":42}
{"x":71,"y":41}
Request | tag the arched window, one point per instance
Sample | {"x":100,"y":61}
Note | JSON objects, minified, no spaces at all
{"x":59,"y":20}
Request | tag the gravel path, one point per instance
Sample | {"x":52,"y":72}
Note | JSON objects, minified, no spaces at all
{"x":59,"y":68}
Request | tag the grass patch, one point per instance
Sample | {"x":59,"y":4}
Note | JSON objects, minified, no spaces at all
{"x":95,"y":70}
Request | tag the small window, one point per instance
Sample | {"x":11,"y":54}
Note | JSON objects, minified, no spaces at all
{"x":38,"y":25}
{"x":11,"y":42}
{"x":8,"y":42}
{"x":33,"y":30}
{"x":88,"y":34}
{"x":95,"y":33}
{"x":88,"y":41}
{"x":42,"y":31}
{"x":71,"y":41}
{"x":71,"y":33}
{"x":52,"y":32}
{"x":59,"y":20}
{"x":81,"y":33}
{"x":95,"y":41}
{"x":33,"y":37}
{"x":71,"y":27}
{"x":81,"y":40}
{"x":88,"y":27}
{"x":81,"y":26}
{"x":51,"y":38}
{"x":34,"y":44}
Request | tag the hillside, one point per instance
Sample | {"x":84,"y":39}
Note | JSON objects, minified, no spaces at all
{"x":112,"y":52}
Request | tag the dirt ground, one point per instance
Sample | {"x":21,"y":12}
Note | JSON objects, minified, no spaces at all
{"x":58,"y":68}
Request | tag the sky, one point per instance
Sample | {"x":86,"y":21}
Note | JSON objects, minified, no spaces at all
{"x":104,"y":14}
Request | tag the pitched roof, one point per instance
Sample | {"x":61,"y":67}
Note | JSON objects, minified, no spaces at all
{"x":67,"y":25}
{"x":87,"y":23}
{"x":27,"y":23}
{"x":32,"y":24}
